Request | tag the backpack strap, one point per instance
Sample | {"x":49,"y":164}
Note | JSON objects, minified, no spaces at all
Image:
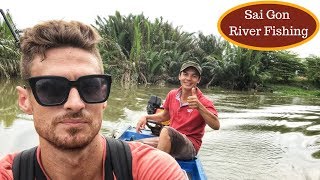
{"x":118,"y":159}
{"x":26,"y":167}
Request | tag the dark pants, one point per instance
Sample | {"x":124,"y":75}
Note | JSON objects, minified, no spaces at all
{"x":181,"y":147}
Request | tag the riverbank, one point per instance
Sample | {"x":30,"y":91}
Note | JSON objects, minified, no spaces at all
{"x":298,"y":88}
{"x":292,"y":89}
{"x":295,"y":89}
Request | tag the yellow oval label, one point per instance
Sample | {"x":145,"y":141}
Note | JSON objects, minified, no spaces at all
{"x":268,"y":25}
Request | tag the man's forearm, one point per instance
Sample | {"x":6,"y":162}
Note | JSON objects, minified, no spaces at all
{"x":210,"y":119}
{"x":158,"y":117}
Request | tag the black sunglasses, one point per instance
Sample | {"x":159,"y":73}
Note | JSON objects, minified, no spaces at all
{"x":54,"y":90}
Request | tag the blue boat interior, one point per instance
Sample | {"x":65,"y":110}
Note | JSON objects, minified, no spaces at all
{"x":193,"y":168}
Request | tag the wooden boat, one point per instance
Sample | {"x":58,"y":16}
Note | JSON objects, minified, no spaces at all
{"x":193,"y":168}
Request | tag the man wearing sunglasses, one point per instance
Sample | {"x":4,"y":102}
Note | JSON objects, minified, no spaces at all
{"x":65,"y":91}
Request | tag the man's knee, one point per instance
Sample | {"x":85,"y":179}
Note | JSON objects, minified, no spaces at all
{"x":164,"y":140}
{"x":164,"y":134}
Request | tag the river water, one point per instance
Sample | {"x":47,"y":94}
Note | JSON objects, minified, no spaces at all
{"x":262,"y":136}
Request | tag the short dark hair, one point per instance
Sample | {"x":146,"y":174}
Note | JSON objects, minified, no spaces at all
{"x":53,"y":34}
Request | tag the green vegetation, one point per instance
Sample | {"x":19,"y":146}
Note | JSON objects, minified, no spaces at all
{"x":9,"y":53}
{"x":136,"y":50}
{"x":294,"y":90}
{"x":316,"y":155}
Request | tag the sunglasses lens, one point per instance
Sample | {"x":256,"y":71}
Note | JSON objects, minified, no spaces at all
{"x":54,"y":90}
{"x":51,"y":91}
{"x":94,"y":89}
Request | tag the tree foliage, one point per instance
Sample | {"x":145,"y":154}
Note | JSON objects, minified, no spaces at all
{"x":284,"y":66}
{"x":136,"y":50}
{"x":9,"y":53}
{"x":313,"y":69}
{"x":143,"y":51}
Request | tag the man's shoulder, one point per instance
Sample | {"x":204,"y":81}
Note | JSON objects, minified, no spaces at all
{"x":174,"y":91}
{"x":140,"y":149}
{"x":206,"y":99}
{"x":151,"y":163}
{"x":6,"y":166}
{"x":203,"y":97}
{"x":7,"y":160}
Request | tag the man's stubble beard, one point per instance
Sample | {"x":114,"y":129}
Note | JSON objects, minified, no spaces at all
{"x":73,"y":140}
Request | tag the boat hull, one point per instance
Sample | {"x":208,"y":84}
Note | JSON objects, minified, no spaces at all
{"x":193,"y":167}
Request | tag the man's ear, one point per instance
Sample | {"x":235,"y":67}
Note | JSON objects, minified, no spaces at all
{"x":24,"y":100}
{"x":104,"y":105}
{"x":179,"y":76}
{"x":199,"y":80}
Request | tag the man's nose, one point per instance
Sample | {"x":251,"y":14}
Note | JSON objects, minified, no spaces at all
{"x":74,"y":100}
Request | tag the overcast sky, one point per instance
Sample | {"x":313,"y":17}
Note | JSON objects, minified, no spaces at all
{"x":191,"y":15}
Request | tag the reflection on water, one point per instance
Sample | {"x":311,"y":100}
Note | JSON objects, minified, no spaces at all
{"x":264,"y":136}
{"x":121,"y":101}
{"x":8,"y":102}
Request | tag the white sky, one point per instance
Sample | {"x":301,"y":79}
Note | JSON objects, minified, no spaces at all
{"x":192,"y":15}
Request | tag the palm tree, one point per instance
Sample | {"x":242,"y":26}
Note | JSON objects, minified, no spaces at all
{"x":120,"y":35}
{"x":141,"y":49}
{"x":313,"y":69}
{"x":242,"y":67}
{"x":9,"y":53}
{"x":209,"y":52}
{"x":285,"y":65}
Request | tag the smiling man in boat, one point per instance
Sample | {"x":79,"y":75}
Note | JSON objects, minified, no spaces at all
{"x":66,"y":91}
{"x":189,"y":111}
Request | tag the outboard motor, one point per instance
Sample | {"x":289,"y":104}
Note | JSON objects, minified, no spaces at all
{"x":153,"y":107}
{"x":153,"y":104}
